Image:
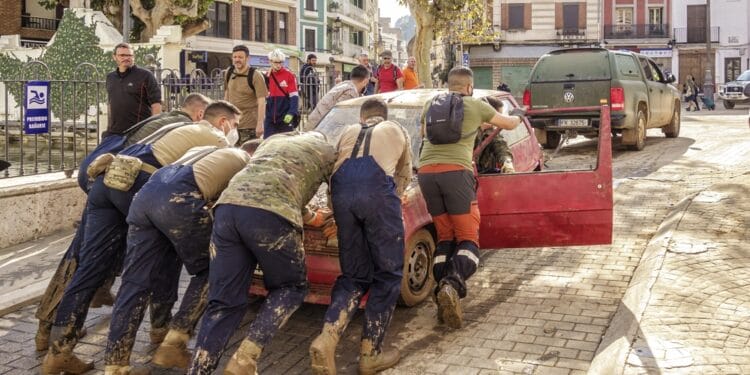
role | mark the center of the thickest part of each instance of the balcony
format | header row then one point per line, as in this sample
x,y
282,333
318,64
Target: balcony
x,y
683,35
638,31
39,23
345,8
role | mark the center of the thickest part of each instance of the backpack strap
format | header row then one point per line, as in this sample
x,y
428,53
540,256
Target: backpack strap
x,y
200,155
365,134
228,76
250,76
162,132
278,85
144,122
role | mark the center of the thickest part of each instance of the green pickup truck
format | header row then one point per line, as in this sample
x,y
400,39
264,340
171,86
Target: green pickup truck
x,y
640,95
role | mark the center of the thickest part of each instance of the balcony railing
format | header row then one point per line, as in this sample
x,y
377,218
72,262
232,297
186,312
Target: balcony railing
x,y
39,23
638,31
695,34
346,8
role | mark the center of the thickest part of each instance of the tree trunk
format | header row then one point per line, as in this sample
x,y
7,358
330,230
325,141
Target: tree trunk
x,y
163,13
423,40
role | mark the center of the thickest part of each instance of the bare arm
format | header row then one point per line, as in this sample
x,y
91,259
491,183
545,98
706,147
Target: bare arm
x,y
502,121
261,116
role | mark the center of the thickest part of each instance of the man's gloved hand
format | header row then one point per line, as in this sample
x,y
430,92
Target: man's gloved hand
x,y
518,111
330,229
319,217
507,167
288,118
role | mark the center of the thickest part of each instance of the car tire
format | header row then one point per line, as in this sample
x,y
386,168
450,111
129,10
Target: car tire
x,y
553,140
417,282
673,129
636,137
728,104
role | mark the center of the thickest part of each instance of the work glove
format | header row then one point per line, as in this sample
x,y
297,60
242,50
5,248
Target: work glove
x,y
319,217
330,229
507,167
518,111
288,118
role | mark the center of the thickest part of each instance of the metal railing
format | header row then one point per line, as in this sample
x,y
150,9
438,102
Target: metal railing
x,y
75,117
39,23
637,31
695,35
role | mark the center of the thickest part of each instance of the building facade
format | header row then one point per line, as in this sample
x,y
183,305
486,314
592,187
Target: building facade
x,y
640,26
30,20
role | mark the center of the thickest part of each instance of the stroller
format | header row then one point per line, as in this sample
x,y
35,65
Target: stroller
x,y
708,102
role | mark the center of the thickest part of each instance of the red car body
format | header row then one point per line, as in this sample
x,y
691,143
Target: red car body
x,y
529,208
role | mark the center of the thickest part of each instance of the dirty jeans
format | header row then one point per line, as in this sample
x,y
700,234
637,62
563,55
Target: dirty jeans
x,y
371,246
168,223
242,238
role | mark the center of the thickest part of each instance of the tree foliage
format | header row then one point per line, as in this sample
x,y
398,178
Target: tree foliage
x,y
455,21
150,15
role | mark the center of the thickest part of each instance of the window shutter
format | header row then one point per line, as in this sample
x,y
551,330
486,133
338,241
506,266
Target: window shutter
x,y
558,16
504,16
582,15
527,16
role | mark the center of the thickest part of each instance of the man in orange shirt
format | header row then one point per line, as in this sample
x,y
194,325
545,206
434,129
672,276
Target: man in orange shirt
x,y
411,81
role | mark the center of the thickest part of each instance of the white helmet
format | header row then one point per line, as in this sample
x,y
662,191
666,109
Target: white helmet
x,y
276,55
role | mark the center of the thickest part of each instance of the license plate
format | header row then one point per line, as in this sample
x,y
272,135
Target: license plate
x,y
573,122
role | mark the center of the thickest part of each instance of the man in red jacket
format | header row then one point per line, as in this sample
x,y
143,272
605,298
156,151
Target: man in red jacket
x,y
282,105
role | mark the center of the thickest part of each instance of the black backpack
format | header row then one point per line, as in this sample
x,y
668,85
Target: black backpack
x,y
444,118
250,74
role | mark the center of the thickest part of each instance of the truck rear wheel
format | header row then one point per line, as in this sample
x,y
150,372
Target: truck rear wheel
x,y
636,138
673,129
728,104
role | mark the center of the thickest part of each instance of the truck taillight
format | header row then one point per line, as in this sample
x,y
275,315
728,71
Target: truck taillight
x,y
617,98
527,98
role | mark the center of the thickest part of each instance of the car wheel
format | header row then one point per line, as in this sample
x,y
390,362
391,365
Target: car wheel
x,y
553,140
417,282
673,129
636,137
728,104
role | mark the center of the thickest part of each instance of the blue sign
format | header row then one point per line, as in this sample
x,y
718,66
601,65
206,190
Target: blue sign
x,y
36,108
466,59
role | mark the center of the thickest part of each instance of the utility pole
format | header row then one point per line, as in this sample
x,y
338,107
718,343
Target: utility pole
x,y
708,79
126,21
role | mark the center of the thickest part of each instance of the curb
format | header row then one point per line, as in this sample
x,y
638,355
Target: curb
x,y
614,347
28,295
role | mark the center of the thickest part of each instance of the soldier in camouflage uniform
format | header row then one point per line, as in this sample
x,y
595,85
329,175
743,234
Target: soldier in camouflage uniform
x,y
258,221
192,110
496,157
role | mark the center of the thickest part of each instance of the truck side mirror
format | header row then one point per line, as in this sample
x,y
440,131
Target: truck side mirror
x,y
670,78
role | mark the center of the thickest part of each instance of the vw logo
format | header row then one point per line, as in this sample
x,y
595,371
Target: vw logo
x,y
568,97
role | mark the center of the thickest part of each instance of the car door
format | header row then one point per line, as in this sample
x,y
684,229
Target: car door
x,y
655,92
667,100
556,208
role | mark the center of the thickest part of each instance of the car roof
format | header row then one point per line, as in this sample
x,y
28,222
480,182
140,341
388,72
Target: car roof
x,y
412,97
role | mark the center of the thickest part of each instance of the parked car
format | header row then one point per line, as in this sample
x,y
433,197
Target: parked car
x,y
521,209
736,92
640,95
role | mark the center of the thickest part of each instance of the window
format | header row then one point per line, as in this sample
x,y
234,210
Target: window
x,y
656,72
627,65
310,4
570,17
624,16
358,3
515,16
656,21
246,23
310,38
218,15
731,68
258,25
211,16
271,29
358,38
282,28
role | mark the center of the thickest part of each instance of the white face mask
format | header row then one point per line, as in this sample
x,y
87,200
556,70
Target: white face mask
x,y
233,136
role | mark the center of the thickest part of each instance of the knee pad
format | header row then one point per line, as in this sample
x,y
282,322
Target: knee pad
x,y
466,259
443,252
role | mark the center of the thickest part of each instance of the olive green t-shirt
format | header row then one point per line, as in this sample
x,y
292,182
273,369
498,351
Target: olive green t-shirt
x,y
283,175
476,112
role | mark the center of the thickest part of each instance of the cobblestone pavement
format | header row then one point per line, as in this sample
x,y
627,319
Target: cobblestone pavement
x,y
545,310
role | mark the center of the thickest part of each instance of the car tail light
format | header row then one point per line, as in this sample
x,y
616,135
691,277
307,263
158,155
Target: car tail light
x,y
527,98
617,98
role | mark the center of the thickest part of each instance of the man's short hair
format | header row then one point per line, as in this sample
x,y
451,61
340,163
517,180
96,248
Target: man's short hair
x,y
220,108
121,45
241,47
251,145
196,99
459,77
359,73
373,107
311,56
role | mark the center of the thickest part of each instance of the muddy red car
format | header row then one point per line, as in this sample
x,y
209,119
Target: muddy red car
x,y
522,209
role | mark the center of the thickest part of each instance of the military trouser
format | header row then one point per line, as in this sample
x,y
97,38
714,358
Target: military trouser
x,y
451,200
168,224
242,238
371,247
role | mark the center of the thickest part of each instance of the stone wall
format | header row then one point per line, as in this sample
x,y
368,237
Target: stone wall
x,y
38,209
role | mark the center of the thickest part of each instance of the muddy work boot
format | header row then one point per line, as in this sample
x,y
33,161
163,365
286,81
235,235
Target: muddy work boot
x,y
63,360
126,370
449,306
173,351
323,351
372,361
245,360
157,335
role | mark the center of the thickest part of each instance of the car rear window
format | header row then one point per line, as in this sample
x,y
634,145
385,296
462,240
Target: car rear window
x,y
572,66
627,65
